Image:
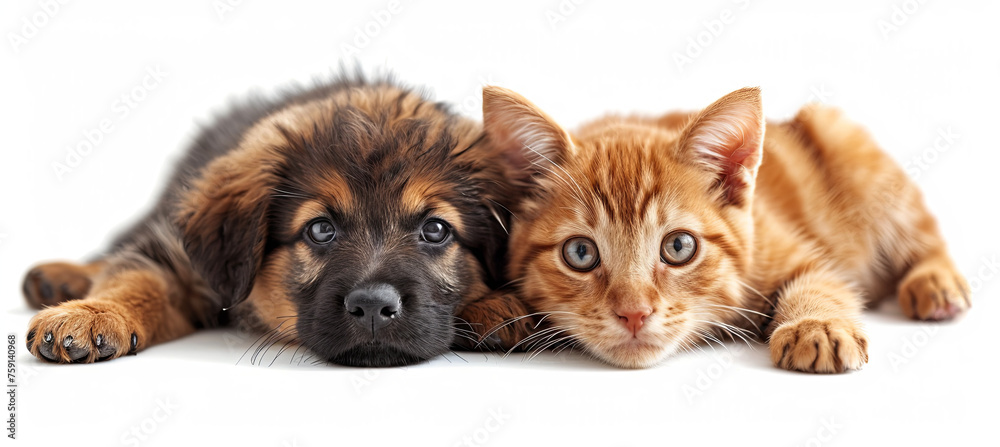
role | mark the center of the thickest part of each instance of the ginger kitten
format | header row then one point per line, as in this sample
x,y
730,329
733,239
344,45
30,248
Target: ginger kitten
x,y
643,237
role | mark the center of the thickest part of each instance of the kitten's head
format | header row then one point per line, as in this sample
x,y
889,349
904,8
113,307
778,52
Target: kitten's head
x,y
638,231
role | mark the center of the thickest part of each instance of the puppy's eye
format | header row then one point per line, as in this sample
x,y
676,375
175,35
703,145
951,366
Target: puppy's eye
x,y
581,254
678,248
435,231
321,232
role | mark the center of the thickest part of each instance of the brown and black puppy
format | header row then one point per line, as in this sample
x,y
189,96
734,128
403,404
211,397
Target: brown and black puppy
x,y
356,217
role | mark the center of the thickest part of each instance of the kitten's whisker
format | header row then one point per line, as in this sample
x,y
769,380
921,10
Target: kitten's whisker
x,y
561,330
458,328
547,346
696,344
726,326
752,323
462,320
761,295
706,336
571,344
519,318
732,331
534,337
549,334
740,311
683,344
543,347
471,339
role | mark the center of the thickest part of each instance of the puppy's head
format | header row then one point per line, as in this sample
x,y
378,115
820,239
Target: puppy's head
x,y
363,219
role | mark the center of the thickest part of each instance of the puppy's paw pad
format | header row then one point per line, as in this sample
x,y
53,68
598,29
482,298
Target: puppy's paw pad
x,y
53,283
81,332
934,294
819,346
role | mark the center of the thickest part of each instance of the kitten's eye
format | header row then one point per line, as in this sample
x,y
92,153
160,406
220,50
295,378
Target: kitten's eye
x,y
581,254
321,232
678,248
435,231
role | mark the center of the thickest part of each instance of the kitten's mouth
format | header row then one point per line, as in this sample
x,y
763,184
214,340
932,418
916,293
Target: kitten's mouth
x,y
635,352
641,350
637,344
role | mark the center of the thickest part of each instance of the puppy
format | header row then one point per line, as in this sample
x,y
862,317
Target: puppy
x,y
356,217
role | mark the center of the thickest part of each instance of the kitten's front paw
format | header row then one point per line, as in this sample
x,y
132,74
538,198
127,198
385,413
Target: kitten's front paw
x,y
934,292
819,346
495,322
81,332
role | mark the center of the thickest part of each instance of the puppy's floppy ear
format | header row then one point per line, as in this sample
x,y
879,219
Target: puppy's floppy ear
x,y
223,219
726,140
530,140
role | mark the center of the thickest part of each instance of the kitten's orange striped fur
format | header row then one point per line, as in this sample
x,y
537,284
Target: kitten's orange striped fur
x,y
796,226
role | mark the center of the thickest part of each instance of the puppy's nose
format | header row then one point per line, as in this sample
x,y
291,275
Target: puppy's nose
x,y
632,317
373,306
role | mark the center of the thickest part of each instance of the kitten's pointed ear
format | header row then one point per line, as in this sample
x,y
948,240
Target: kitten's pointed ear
x,y
528,138
726,139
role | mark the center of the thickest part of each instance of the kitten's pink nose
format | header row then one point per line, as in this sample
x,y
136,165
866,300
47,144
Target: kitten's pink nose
x,y
632,317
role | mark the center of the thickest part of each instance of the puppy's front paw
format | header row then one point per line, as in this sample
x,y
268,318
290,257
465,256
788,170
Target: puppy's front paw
x,y
820,346
934,292
82,332
55,282
495,322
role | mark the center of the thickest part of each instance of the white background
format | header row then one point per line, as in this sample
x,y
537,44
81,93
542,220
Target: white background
x,y
936,71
